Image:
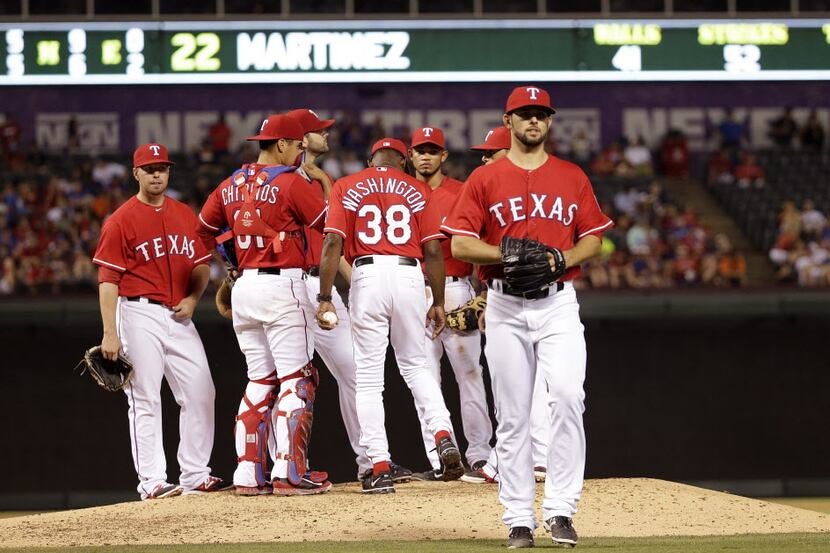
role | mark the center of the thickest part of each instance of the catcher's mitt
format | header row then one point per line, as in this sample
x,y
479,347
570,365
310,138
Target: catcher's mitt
x,y
223,298
526,265
110,375
465,317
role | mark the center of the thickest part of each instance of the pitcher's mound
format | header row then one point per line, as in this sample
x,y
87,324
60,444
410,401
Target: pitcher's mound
x,y
418,511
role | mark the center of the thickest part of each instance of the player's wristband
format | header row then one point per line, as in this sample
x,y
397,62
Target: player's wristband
x,y
323,297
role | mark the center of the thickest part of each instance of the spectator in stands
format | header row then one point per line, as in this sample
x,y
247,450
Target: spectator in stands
x,y
674,155
784,129
9,138
812,265
789,220
732,133
333,165
108,173
812,135
641,237
719,169
749,172
813,221
8,276
685,267
638,157
725,266
581,150
607,160
627,200
219,136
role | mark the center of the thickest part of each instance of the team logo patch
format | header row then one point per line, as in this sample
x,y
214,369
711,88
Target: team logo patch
x,y
247,221
239,180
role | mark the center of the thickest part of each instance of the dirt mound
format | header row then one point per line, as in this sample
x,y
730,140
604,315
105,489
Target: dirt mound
x,y
418,511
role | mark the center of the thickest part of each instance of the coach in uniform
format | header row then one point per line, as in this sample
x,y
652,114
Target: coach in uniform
x,y
152,270
267,204
529,193
383,217
428,152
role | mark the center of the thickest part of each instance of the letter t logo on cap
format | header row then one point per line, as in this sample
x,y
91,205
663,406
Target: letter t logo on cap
x,y
427,131
533,92
155,149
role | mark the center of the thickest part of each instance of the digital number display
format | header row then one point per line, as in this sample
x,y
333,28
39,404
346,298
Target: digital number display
x,y
418,51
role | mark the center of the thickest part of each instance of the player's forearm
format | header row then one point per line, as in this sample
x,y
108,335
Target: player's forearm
x,y
329,261
108,300
585,249
473,250
345,269
434,259
326,183
199,278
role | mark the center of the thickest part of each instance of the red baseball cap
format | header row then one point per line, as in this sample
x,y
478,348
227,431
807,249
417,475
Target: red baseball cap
x,y
390,143
148,154
310,121
496,139
428,135
524,96
279,126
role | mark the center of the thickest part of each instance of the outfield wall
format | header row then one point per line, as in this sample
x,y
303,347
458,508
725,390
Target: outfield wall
x,y
685,386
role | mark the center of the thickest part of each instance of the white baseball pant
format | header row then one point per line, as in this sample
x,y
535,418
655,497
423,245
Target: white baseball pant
x,y
159,347
387,301
271,314
336,350
464,352
523,337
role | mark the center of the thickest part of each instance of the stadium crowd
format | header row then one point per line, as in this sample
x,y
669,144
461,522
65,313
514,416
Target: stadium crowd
x,y
52,207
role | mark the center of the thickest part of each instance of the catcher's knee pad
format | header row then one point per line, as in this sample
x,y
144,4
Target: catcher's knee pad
x,y
256,422
299,421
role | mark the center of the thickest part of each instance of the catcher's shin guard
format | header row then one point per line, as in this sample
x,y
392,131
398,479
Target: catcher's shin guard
x,y
299,422
256,422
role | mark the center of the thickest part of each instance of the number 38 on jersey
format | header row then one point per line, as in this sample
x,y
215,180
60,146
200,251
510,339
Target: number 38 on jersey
x,y
393,223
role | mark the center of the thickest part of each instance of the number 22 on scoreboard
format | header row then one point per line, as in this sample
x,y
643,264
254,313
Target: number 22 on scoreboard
x,y
195,52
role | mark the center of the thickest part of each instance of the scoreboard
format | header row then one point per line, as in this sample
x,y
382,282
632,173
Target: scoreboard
x,y
204,52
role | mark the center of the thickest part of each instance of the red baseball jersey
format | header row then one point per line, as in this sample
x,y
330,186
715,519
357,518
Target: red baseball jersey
x,y
150,251
315,238
443,199
286,204
554,204
383,211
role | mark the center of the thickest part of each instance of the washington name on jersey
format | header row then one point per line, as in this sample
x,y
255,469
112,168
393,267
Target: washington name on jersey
x,y
354,194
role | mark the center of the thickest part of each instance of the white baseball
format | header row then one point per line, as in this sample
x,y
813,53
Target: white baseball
x,y
330,317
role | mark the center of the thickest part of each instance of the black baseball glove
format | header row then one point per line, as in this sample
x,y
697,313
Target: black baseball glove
x,y
526,265
465,317
110,375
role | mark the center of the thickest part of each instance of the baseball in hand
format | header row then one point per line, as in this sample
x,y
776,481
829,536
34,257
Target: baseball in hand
x,y
330,317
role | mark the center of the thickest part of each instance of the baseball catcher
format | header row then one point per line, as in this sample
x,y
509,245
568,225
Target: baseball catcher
x,y
110,375
465,317
527,266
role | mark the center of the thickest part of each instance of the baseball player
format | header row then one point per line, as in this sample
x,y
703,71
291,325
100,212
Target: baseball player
x,y
383,217
428,152
496,145
152,270
266,204
335,346
530,194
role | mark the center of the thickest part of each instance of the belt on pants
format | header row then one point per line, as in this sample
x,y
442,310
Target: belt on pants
x,y
285,271
368,260
501,286
446,279
142,299
314,271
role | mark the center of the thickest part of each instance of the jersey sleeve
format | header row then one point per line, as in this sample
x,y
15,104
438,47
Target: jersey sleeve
x,y
589,218
305,199
336,220
211,220
112,251
466,217
431,220
201,253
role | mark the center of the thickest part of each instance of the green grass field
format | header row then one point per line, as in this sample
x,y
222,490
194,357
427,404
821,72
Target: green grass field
x,y
791,543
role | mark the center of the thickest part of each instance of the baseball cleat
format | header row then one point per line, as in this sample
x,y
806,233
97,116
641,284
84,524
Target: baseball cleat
x,y
520,537
210,484
481,473
281,486
163,490
562,531
377,483
400,474
431,475
451,466
540,473
253,490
